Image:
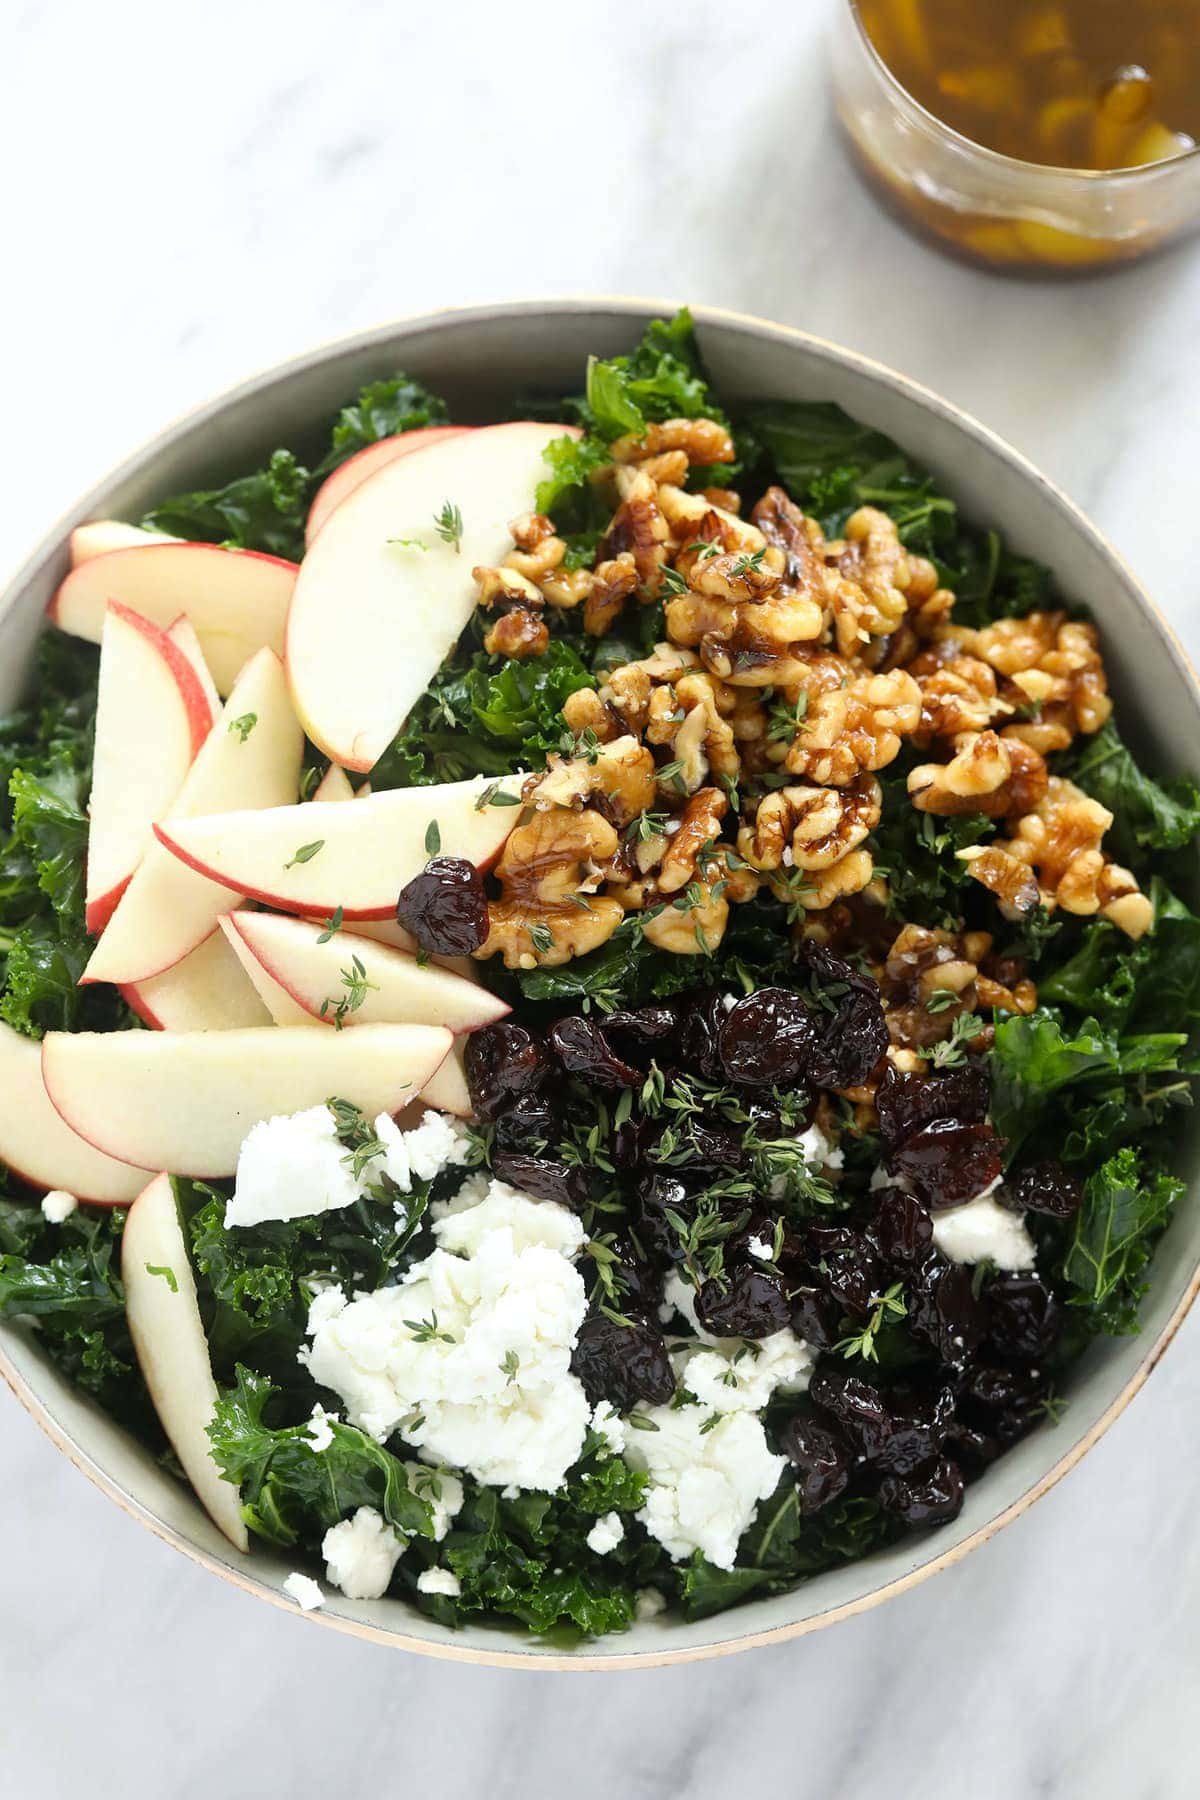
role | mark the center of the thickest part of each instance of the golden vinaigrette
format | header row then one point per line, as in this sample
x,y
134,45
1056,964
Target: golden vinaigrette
x,y
1086,84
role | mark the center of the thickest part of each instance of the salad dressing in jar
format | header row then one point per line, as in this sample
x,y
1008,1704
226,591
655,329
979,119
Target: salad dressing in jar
x,y
1037,134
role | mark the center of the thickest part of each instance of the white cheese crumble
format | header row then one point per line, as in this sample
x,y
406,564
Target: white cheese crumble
x,y
605,1534
470,1355
706,1479
58,1205
648,1605
740,1375
442,1491
295,1167
320,1429
759,1247
610,1425
361,1554
439,1581
304,1591
984,1231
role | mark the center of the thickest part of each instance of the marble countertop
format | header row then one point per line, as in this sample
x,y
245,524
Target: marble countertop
x,y
192,193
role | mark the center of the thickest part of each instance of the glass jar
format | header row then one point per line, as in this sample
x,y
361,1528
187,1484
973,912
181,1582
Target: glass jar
x,y
991,208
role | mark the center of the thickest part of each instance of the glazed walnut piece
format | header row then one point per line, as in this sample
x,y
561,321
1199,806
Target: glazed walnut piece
x,y
959,693
930,977
618,778
987,774
810,828
856,729
1051,666
1060,844
518,629
542,917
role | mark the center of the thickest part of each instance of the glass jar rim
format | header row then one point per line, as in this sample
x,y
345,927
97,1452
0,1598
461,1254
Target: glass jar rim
x,y
1128,173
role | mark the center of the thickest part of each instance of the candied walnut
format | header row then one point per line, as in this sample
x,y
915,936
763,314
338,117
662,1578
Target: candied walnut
x,y
565,588
722,497
872,574
538,919
856,729
517,634
500,589
694,520
691,925
1061,842
698,826
1053,665
799,540
734,575
584,710
958,694
822,888
702,441
930,977
987,774
612,582
638,528
690,716
619,777
538,548
1011,880
810,828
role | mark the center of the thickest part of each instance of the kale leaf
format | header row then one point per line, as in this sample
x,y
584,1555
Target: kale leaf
x,y
383,409
1124,984
1125,1211
1146,815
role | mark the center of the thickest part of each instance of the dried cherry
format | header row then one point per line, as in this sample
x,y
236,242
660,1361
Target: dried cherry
x,y
1025,1317
1043,1187
944,1310
445,907
816,1318
901,1227
908,1101
623,1364
531,1119
647,1028
933,1499
657,1196
949,1163
854,1037
542,1176
583,1050
849,1270
765,1039
747,1302
502,1063
821,1458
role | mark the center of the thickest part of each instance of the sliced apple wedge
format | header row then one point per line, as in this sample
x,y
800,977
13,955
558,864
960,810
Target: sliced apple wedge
x,y
333,785
250,758
387,931
315,858
39,1148
99,536
394,987
182,634
168,1336
356,469
184,1100
447,1088
280,1005
236,599
207,991
152,716
372,616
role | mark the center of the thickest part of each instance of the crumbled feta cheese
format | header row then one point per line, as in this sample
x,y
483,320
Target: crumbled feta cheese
x,y
58,1205
984,1231
304,1591
759,1247
361,1554
326,1304
738,1375
706,1479
439,1581
610,1425
469,1357
605,1534
291,1167
679,1296
320,1428
648,1605
473,1190
442,1491
439,1141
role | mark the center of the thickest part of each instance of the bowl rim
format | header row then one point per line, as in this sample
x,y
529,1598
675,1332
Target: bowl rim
x,y
520,1654
1126,175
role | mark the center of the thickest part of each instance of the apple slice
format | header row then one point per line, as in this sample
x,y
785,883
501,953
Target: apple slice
x,y
236,599
39,1148
152,715
372,618
207,991
447,1088
182,634
164,1321
250,758
397,988
333,785
314,858
99,536
354,471
185,1100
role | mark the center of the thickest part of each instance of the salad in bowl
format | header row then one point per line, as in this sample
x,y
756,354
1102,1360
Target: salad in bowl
x,y
592,1005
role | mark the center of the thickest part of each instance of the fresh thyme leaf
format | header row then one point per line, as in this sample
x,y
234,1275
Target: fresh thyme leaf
x,y
448,524
243,725
167,1275
305,853
336,920
433,839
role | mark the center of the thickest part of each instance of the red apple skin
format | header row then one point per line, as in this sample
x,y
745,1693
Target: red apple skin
x,y
132,996
355,470
66,590
198,710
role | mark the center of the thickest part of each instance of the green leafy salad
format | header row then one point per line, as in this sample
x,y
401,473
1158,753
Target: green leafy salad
x,y
621,1072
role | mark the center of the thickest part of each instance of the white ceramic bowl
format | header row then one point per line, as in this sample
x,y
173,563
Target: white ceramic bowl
x,y
481,359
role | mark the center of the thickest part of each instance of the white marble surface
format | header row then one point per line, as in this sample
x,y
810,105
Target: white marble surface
x,y
192,192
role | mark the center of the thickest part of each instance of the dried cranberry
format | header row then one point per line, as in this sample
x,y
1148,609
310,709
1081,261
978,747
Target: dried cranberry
x,y
944,1310
543,1177
854,1036
1025,1317
821,1459
531,1119
503,1062
445,907
747,1302
623,1364
1043,1187
906,1102
949,1163
934,1499
901,1227
816,1318
765,1039
583,1050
